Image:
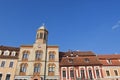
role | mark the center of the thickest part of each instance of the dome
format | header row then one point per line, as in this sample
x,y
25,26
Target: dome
x,y
42,27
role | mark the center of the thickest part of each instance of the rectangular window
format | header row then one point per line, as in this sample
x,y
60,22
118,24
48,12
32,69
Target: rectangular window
x,y
72,73
116,73
7,77
2,63
82,74
0,76
11,64
108,73
97,74
64,73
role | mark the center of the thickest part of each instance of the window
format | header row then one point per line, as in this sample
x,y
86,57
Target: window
x,y
108,73
2,63
7,77
86,60
51,69
97,73
72,73
45,36
37,68
11,64
6,53
90,74
41,35
70,60
0,76
82,74
23,68
116,73
109,61
38,55
51,56
25,55
64,73
13,53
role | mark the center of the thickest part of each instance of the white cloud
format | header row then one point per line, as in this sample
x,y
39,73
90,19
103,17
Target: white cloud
x,y
116,25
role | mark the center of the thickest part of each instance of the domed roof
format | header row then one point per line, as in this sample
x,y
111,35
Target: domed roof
x,y
42,27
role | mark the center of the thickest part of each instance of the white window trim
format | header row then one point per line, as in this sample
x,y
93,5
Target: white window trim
x,y
91,70
95,68
62,69
84,71
6,53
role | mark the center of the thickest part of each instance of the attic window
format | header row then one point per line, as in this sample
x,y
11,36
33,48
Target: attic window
x,y
13,53
86,60
109,61
70,60
71,54
6,53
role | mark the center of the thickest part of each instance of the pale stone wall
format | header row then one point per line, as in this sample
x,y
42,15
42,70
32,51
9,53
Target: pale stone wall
x,y
7,70
112,74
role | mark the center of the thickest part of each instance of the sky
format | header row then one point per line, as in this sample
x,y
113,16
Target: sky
x,y
84,25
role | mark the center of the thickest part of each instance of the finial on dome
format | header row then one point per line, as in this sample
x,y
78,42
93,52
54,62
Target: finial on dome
x,y
43,24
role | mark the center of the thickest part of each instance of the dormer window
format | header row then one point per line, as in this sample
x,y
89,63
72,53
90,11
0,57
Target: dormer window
x,y
109,61
71,54
0,52
6,53
86,60
70,60
13,53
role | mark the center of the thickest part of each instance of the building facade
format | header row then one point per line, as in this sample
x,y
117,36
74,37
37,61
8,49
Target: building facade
x,y
8,62
110,66
78,65
38,61
41,61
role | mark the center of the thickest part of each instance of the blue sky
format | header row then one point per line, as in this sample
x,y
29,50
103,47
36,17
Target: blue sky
x,y
85,25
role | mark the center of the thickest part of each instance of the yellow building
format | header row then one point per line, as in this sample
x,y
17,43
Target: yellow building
x,y
8,62
38,61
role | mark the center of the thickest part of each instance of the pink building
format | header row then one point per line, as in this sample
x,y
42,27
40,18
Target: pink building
x,y
79,65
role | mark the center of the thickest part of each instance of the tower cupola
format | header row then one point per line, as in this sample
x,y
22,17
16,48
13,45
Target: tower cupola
x,y
42,35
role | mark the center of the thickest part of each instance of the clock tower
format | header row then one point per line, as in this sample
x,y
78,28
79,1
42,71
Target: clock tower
x,y
41,35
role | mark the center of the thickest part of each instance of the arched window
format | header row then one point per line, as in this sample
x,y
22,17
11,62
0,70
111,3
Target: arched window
x,y
97,73
23,67
37,68
51,56
51,69
25,55
90,73
82,73
38,55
